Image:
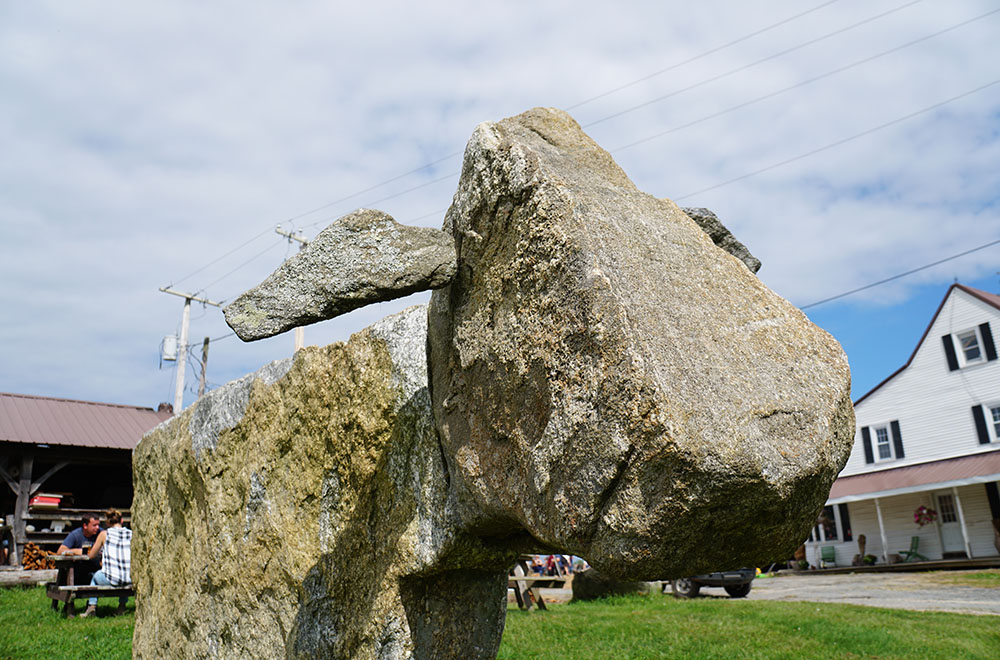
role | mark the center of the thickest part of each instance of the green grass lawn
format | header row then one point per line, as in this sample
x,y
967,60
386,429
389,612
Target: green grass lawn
x,y
987,579
661,627
30,629
632,628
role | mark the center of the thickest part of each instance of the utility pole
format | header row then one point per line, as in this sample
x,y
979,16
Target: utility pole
x,y
182,356
204,366
300,333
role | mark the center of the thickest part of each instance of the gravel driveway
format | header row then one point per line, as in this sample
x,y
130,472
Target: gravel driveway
x,y
909,591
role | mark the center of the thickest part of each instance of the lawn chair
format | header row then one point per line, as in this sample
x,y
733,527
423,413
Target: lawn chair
x,y
909,555
828,556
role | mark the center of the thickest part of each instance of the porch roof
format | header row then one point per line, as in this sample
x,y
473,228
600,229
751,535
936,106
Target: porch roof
x,y
961,471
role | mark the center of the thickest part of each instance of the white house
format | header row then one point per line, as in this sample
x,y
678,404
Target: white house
x,y
928,435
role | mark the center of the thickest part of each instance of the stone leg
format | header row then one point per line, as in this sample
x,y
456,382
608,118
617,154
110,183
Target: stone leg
x,y
456,615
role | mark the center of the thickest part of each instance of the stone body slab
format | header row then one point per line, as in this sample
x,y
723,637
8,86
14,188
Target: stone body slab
x,y
608,380
302,512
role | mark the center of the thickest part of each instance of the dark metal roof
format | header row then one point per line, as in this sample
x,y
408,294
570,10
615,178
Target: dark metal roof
x,y
50,421
923,474
987,298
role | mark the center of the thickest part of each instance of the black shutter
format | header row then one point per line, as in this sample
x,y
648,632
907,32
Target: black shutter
x,y
991,350
897,439
866,440
994,499
949,351
845,523
981,430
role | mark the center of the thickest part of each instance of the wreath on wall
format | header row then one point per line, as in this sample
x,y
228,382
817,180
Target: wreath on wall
x,y
924,516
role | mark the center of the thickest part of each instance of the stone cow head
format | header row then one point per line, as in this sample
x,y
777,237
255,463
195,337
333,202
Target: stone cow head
x,y
601,380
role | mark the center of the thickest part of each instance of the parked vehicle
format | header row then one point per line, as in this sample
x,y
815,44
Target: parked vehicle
x,y
736,583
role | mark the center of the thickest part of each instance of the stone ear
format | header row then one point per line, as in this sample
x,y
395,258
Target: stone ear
x,y
363,258
722,237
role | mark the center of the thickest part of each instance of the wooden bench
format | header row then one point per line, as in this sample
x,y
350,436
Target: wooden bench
x,y
526,586
68,593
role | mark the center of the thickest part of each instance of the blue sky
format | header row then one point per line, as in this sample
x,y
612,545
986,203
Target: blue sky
x,y
144,146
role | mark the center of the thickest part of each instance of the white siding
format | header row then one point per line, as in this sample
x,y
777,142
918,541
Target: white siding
x,y
932,404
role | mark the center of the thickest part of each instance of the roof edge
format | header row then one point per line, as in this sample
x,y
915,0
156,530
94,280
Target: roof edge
x,y
89,403
988,298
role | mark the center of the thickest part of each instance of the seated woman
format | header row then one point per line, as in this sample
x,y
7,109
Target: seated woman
x,y
116,543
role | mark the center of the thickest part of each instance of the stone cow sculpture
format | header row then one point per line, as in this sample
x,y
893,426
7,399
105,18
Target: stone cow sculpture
x,y
593,376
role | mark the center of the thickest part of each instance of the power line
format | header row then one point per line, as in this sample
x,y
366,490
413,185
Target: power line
x,y
803,83
218,259
718,185
711,51
375,187
703,82
742,105
248,261
904,274
394,195
751,65
458,153
842,141
771,95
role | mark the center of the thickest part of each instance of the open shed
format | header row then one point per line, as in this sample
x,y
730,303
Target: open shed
x,y
62,459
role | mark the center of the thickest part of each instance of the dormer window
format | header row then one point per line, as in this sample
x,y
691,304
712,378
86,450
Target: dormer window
x,y
969,343
969,347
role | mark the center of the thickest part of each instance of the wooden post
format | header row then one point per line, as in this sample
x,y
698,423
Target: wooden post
x,y
21,506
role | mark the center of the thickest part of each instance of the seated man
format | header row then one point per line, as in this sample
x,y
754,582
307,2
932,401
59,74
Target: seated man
x,y
114,546
73,544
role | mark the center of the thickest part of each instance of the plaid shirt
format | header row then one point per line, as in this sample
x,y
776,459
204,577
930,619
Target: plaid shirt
x,y
117,555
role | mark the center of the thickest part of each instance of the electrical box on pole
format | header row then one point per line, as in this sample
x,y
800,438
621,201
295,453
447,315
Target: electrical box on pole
x,y
182,349
168,349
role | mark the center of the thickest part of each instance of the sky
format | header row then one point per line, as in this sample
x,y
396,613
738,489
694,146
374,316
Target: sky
x,y
159,145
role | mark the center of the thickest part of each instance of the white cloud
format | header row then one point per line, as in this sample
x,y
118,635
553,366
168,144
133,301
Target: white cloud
x,y
143,142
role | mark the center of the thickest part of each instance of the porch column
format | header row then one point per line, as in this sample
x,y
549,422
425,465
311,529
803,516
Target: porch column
x,y
961,521
881,532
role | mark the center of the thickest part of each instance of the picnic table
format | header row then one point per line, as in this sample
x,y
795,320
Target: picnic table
x,y
527,587
66,590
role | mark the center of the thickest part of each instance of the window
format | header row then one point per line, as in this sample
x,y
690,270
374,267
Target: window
x,y
946,507
882,441
834,524
987,418
888,442
969,347
828,524
968,343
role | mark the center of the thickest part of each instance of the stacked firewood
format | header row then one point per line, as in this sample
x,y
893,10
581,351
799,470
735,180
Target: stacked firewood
x,y
33,558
